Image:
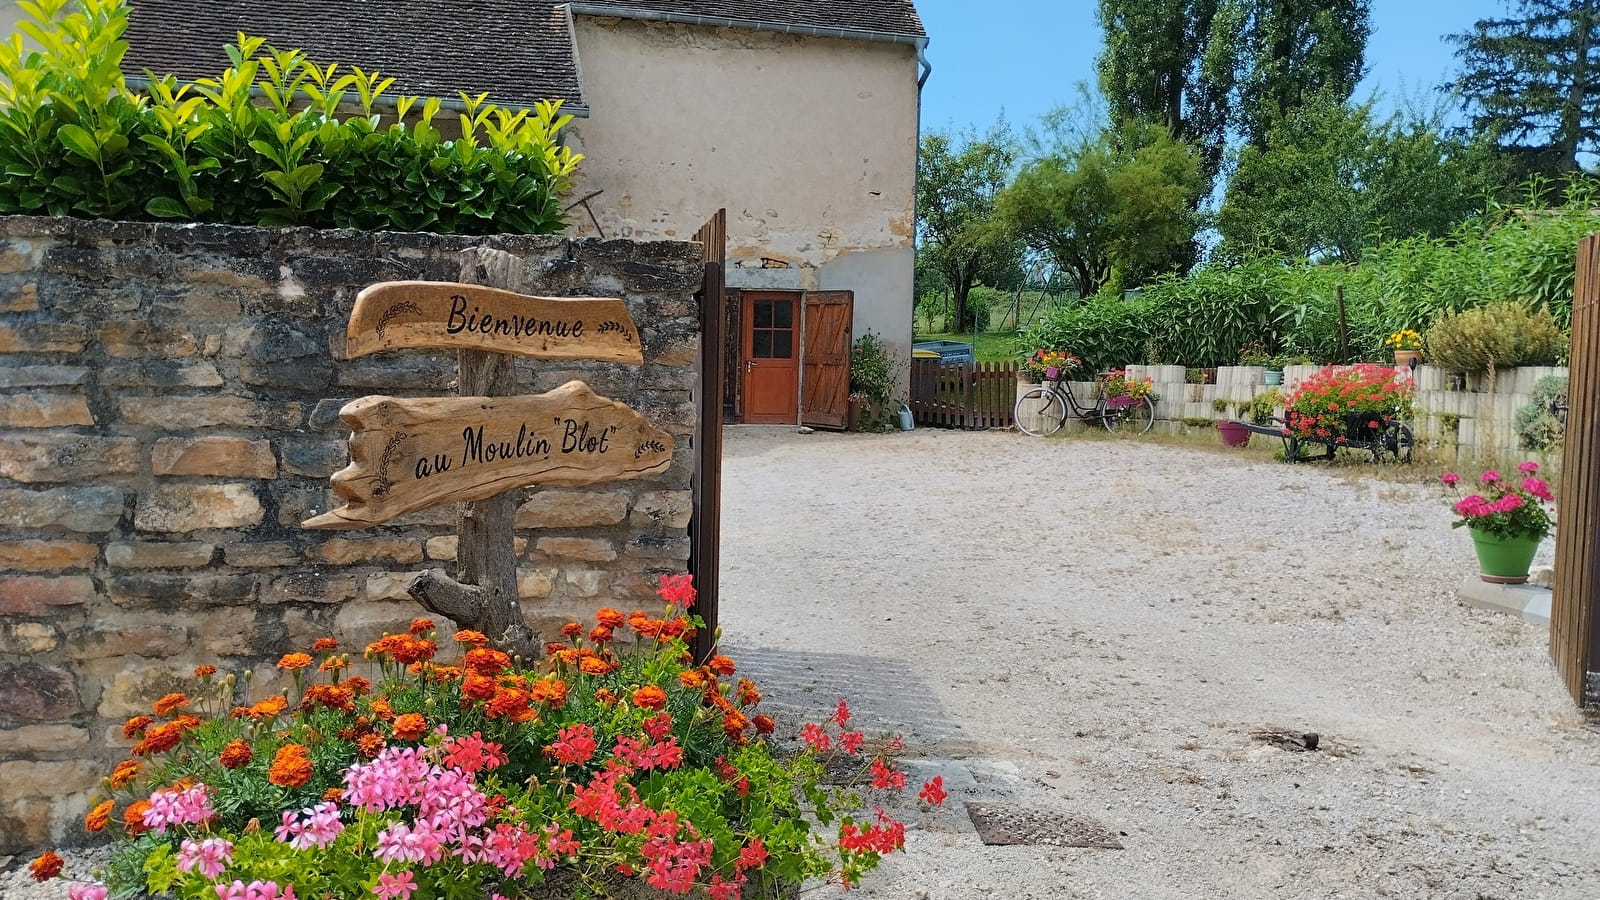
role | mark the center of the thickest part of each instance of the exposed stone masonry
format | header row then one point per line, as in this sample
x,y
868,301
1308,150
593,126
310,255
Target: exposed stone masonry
x,y
169,400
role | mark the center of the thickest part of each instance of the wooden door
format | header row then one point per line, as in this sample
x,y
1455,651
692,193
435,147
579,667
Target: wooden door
x,y
771,351
825,383
1575,601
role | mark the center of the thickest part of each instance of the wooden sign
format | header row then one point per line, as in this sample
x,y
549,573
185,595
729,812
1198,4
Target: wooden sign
x,y
445,314
410,454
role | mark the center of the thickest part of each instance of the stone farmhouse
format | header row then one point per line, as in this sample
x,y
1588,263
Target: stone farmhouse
x,y
799,117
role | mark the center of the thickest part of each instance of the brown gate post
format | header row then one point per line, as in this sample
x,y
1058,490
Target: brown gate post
x,y
1574,620
705,522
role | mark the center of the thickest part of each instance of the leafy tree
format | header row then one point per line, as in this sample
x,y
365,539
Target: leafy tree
x,y
1111,212
1332,180
959,178
1171,62
1532,79
1292,51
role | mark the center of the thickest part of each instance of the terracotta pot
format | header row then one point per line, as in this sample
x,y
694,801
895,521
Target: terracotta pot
x,y
852,414
1403,358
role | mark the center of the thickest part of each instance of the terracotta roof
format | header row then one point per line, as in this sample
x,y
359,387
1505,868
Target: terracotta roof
x,y
520,51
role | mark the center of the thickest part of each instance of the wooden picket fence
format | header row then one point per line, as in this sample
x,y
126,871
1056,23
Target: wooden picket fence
x,y
963,395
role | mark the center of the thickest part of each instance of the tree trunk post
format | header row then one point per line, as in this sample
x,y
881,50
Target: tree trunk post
x,y
483,597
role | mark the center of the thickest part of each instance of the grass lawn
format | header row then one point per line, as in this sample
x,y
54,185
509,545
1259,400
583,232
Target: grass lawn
x,y
992,346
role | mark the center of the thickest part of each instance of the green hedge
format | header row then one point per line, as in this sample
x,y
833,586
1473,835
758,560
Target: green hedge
x,y
262,143
1524,254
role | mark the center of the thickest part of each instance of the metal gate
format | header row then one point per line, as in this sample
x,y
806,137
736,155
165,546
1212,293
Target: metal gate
x,y
1574,625
705,523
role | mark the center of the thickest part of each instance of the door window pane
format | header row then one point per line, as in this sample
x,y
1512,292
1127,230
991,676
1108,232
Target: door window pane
x,y
761,342
782,345
763,314
783,314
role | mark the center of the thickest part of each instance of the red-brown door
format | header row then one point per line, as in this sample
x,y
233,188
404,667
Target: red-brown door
x,y
825,381
771,351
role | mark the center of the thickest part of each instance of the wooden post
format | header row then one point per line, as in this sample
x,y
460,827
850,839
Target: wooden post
x,y
1344,328
483,597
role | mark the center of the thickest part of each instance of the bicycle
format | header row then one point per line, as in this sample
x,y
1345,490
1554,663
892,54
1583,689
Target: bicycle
x,y
1044,410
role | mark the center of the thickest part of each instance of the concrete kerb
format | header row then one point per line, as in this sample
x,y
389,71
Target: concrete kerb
x,y
1528,602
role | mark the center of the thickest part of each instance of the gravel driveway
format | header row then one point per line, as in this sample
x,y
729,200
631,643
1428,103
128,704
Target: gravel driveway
x,y
1095,627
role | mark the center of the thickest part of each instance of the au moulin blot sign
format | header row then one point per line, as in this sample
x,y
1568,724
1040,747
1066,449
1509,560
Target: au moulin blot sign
x,y
409,454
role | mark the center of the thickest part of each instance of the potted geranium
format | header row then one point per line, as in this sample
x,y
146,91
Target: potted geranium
x,y
616,766
1120,390
1047,365
1507,518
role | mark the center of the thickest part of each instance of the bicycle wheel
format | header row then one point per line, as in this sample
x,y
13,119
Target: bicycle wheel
x,y
1039,412
1133,419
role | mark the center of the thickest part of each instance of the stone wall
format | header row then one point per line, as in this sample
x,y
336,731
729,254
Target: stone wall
x,y
169,401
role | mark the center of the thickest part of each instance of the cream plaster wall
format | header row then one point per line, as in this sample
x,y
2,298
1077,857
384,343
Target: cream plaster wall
x,y
810,144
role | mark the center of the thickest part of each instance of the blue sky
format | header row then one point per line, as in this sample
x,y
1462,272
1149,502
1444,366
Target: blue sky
x,y
1025,56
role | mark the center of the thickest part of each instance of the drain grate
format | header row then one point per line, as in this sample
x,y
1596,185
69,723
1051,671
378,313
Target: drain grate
x,y
1001,824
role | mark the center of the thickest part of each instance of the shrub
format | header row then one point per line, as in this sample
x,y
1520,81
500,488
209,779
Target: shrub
x,y
874,374
1538,426
1341,402
616,759
1477,341
261,143
1107,332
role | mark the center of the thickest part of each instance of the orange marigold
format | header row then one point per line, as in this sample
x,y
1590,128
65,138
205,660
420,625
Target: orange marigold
x,y
553,648
410,727
333,795
478,687
133,817
650,697
205,671
572,631
601,634
734,723
159,739
721,665
99,817
136,726
291,766
606,696
330,695
236,754
485,661
382,709
609,617
764,724
334,664
292,661
370,745
420,626
357,684
512,704
125,772
268,708
46,866
186,722
551,690
475,638
748,695
324,645
594,665
692,679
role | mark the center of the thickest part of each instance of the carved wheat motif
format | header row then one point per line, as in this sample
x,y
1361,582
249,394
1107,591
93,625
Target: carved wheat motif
x,y
384,481
618,327
394,312
649,447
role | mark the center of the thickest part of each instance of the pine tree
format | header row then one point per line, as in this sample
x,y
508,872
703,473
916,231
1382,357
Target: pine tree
x,y
1532,79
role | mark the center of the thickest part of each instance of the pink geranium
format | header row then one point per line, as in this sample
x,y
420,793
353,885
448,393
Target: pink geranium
x,y
1505,508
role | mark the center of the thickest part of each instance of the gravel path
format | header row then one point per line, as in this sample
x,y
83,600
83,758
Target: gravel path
x,y
1094,627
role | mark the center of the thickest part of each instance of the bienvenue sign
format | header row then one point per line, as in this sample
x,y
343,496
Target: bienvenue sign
x,y
441,314
410,454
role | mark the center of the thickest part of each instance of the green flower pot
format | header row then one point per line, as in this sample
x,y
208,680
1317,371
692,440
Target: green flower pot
x,y
1503,560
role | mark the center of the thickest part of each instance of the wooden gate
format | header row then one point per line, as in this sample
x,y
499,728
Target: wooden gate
x,y
963,395
705,522
1574,624
825,363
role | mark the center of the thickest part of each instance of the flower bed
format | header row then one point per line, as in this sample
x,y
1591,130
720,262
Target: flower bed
x,y
615,761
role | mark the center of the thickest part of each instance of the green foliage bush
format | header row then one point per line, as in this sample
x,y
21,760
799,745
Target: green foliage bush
x,y
1501,334
1538,426
262,143
1523,252
875,370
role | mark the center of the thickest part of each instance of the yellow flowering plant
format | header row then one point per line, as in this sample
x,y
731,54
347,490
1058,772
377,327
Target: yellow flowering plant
x,y
1404,340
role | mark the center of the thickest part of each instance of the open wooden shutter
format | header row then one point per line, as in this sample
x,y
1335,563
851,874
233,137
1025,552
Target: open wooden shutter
x,y
825,372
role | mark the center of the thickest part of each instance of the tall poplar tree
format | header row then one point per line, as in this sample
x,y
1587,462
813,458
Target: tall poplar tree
x,y
1532,79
